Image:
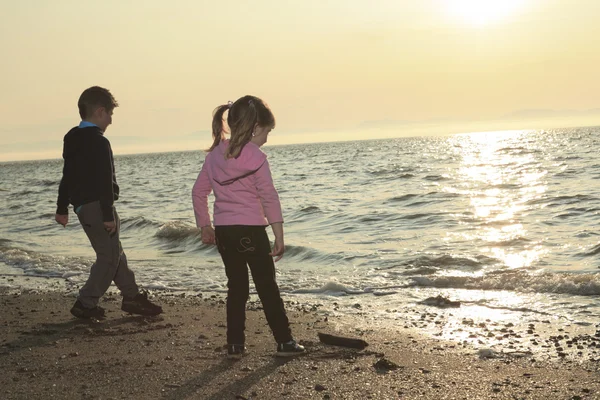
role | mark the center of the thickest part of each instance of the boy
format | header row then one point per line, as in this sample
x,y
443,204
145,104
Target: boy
x,y
90,185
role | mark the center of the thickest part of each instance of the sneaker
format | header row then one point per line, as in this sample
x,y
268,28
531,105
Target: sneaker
x,y
289,349
235,351
79,311
140,305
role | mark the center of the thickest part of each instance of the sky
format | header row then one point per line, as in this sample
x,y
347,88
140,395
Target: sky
x,y
329,69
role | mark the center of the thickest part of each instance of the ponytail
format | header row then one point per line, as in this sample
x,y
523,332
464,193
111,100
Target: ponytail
x,y
218,131
244,129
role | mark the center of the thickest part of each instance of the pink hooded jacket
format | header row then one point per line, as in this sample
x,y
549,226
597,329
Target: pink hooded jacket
x,y
243,188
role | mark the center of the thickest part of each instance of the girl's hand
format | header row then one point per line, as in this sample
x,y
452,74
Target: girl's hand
x,y
278,249
208,235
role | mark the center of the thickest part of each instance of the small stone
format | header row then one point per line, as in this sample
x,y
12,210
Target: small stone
x,y
385,365
320,388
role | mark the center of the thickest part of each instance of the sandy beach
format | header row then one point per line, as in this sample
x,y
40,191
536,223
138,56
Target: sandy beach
x,y
45,353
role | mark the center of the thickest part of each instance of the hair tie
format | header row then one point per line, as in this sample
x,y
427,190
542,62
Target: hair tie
x,y
229,104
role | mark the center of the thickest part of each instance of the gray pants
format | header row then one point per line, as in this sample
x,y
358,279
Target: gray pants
x,y
111,262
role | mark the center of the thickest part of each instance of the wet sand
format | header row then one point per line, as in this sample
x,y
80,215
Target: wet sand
x,y
46,353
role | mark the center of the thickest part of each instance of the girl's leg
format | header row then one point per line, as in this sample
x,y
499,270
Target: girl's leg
x,y
237,282
263,273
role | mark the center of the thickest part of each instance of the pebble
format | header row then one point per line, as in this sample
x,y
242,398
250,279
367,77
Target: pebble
x,y
385,365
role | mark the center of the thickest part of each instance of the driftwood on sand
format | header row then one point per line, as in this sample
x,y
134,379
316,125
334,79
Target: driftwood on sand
x,y
342,341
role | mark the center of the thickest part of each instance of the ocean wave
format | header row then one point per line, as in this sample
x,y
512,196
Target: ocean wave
x,y
310,209
177,230
302,253
592,252
575,199
138,222
420,203
585,234
447,260
38,264
330,288
518,281
517,150
516,241
397,171
428,216
44,182
22,193
436,178
399,199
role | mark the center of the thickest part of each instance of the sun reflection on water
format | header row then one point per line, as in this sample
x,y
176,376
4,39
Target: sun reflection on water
x,y
500,177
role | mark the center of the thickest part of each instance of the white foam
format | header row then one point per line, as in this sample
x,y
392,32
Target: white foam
x,y
585,284
331,288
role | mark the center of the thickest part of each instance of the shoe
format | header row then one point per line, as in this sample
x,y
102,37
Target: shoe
x,y
235,351
79,311
289,349
141,305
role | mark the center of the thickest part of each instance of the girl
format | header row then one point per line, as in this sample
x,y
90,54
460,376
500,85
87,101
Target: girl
x,y
246,201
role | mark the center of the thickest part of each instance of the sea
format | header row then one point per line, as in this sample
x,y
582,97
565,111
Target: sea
x,y
506,223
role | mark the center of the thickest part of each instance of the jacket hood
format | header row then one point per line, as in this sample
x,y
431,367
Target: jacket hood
x,y
227,171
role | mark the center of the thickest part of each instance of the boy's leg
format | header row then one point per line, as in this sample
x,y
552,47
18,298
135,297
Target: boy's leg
x,y
124,277
263,272
237,282
107,250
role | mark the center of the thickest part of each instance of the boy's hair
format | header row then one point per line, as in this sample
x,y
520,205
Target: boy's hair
x,y
93,98
243,116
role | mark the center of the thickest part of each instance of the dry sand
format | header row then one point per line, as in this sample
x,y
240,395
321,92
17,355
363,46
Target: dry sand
x,y
45,353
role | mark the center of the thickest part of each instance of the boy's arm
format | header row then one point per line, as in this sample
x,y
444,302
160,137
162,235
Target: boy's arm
x,y
62,203
104,176
200,192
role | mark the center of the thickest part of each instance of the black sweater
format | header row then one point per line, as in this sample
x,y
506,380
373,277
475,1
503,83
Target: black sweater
x,y
88,172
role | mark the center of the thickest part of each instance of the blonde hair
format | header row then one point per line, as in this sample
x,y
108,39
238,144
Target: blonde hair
x,y
244,114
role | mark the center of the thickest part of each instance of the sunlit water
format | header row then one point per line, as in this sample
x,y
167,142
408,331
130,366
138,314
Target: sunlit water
x,y
505,222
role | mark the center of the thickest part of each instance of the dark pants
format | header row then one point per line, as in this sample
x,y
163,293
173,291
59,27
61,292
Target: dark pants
x,y
240,247
111,262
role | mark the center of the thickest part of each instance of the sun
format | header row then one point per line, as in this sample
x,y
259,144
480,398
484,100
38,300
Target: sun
x,y
483,12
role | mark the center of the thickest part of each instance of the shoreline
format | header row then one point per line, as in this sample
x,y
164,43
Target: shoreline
x,y
46,353
465,326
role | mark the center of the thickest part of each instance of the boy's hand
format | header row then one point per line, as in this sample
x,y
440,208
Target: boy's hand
x,y
110,227
208,235
278,249
62,219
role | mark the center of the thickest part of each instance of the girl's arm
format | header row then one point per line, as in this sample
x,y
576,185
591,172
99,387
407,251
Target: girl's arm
x,y
269,199
200,192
